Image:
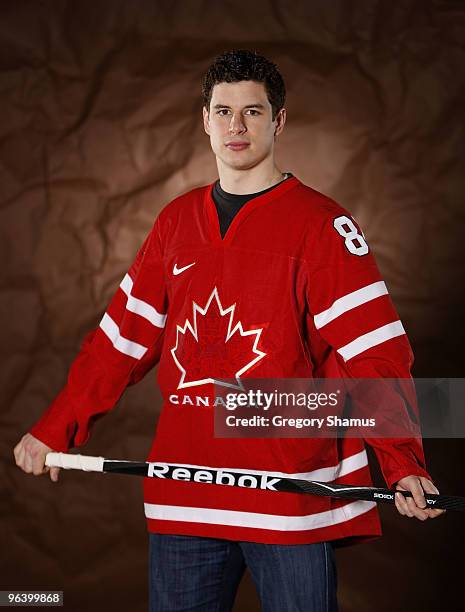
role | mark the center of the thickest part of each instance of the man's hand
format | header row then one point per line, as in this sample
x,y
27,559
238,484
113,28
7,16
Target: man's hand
x,y
30,456
416,505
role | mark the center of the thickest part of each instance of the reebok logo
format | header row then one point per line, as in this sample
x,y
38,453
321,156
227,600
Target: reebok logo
x,y
214,476
177,270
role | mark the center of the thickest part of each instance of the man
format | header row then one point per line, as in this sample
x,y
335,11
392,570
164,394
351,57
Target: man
x,y
254,275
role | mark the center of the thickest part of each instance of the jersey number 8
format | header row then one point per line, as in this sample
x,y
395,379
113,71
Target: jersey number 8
x,y
355,242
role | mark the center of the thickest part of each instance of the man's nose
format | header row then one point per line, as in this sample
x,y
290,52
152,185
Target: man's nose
x,y
237,125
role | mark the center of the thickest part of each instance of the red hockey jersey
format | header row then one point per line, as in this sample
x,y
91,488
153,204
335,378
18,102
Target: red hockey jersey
x,y
292,286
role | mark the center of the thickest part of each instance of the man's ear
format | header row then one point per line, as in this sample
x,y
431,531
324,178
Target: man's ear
x,y
280,121
206,120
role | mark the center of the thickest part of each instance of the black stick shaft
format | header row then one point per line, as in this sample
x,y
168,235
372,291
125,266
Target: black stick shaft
x,y
284,485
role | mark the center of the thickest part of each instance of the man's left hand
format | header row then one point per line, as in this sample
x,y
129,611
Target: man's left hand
x,y
416,506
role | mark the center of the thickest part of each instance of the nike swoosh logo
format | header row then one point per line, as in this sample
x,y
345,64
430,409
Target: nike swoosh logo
x,y
177,270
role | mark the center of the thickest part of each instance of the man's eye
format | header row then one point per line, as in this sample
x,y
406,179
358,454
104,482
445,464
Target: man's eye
x,y
224,111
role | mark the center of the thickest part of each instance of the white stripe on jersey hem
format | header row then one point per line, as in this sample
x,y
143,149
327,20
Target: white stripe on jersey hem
x,y
373,338
349,301
326,474
255,520
123,345
143,309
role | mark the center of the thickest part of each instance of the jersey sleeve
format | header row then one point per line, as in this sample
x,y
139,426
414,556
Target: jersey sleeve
x,y
350,308
125,345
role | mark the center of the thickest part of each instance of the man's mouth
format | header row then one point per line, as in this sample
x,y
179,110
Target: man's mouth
x,y
237,146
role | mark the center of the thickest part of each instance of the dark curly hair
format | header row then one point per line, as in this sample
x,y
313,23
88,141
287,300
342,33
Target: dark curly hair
x,y
244,65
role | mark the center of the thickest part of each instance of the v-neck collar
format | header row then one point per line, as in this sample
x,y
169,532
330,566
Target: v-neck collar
x,y
212,214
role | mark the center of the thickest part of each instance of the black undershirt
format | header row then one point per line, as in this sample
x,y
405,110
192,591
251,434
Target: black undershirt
x,y
229,204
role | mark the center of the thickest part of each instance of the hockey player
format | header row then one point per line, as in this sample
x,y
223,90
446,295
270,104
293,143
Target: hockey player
x,y
254,275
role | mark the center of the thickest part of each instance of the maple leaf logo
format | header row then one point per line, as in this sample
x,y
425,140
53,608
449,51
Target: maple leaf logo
x,y
212,347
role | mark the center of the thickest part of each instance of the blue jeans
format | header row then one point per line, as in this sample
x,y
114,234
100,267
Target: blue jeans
x,y
194,573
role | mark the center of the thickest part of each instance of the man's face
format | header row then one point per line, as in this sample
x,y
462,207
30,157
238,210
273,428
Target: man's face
x,y
239,124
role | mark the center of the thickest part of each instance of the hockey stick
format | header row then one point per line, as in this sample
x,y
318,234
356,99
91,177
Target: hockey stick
x,y
242,478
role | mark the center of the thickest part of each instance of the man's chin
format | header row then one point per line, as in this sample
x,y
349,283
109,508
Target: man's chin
x,y
240,164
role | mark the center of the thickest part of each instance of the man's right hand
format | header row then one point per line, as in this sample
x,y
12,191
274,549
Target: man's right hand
x,y
30,457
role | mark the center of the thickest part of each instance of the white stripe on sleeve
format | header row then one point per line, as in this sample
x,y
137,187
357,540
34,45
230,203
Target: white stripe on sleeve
x,y
349,301
143,309
373,338
128,347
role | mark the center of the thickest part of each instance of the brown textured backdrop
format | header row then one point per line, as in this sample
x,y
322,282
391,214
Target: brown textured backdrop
x,y
100,127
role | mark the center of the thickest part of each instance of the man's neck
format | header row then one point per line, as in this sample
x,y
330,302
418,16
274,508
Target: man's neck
x,y
249,181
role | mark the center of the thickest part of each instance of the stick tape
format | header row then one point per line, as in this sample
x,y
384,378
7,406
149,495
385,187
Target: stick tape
x,y
75,462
